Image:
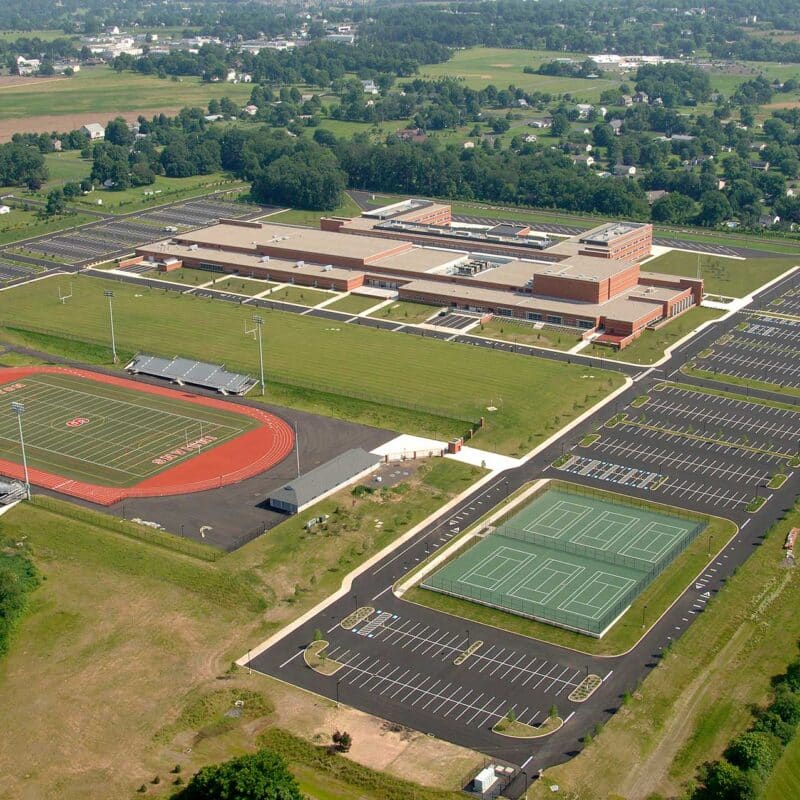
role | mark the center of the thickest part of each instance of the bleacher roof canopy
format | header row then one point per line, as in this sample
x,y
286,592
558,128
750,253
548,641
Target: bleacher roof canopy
x,y
196,373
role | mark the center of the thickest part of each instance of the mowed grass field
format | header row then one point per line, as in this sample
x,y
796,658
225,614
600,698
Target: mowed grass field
x,y
731,277
101,90
533,397
104,434
480,66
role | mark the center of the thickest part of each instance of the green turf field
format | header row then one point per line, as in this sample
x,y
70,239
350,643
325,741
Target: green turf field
x,y
348,364
568,559
104,434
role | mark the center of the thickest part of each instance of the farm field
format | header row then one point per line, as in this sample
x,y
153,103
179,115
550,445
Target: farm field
x,y
480,66
104,92
346,362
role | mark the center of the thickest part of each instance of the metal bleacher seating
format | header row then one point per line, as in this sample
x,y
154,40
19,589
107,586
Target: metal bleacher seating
x,y
197,373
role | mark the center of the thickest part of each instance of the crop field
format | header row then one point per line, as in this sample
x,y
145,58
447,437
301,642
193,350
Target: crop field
x,y
102,91
347,361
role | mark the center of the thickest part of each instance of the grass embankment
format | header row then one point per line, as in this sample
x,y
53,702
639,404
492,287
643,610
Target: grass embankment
x,y
731,277
144,628
701,694
784,782
301,295
522,333
735,380
21,224
346,371
651,344
643,612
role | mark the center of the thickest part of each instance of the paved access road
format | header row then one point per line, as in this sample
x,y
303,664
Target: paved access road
x,y
711,454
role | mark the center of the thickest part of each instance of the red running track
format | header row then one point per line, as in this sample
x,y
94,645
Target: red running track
x,y
236,460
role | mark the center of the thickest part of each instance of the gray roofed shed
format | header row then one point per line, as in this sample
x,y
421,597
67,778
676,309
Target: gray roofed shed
x,y
323,480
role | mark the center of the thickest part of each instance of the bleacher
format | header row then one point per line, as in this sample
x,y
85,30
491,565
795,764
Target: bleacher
x,y
11,491
196,373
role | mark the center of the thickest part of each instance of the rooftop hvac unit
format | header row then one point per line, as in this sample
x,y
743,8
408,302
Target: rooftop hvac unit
x,y
264,259
300,264
193,247
327,268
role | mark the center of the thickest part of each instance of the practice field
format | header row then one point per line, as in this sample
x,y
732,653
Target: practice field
x,y
567,559
103,438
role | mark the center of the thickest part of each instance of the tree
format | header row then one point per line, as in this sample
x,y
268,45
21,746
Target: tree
x,y
261,776
560,124
118,132
55,203
342,741
720,780
714,208
754,750
673,208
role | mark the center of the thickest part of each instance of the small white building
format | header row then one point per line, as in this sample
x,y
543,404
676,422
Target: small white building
x,y
28,66
94,130
5,209
369,87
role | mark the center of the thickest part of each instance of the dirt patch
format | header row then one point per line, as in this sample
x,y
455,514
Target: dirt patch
x,y
502,66
377,744
11,81
69,122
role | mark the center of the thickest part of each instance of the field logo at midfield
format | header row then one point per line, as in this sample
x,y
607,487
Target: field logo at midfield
x,y
77,422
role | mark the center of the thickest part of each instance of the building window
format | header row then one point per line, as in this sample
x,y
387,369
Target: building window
x,y
553,320
534,317
585,323
503,312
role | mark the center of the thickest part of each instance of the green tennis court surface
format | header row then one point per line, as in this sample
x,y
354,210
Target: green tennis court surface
x,y
107,434
569,559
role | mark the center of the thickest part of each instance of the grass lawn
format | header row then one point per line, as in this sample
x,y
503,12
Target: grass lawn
x,y
299,216
650,604
111,599
169,190
103,91
346,370
785,778
650,345
186,275
20,224
354,303
249,286
45,34
699,697
736,381
726,276
405,312
511,331
66,166
302,295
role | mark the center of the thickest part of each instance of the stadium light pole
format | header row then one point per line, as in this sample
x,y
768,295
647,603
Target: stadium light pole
x,y
110,295
259,321
19,410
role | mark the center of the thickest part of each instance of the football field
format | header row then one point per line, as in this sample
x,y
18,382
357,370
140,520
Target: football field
x,y
106,434
569,559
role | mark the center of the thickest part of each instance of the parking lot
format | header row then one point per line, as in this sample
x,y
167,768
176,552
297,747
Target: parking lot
x,y
395,665
761,348
104,240
693,449
9,271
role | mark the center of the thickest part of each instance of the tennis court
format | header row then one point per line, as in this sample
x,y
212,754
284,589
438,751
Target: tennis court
x,y
570,559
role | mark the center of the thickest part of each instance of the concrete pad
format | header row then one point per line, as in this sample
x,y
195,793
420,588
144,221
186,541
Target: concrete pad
x,y
485,458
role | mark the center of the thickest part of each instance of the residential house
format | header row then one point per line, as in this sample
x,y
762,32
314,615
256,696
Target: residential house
x,y
586,161
655,194
584,109
641,97
28,66
624,170
616,126
627,100
94,130
370,87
